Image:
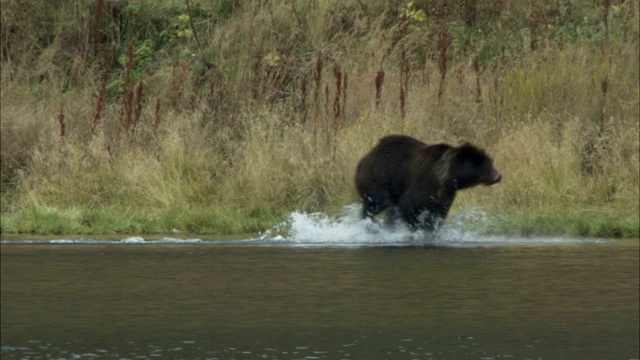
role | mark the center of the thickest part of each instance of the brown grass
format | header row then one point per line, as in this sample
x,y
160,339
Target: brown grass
x,y
265,128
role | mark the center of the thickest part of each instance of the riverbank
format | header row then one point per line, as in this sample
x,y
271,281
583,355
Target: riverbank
x,y
226,119
217,223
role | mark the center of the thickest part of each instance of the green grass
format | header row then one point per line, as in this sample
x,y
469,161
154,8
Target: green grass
x,y
224,221
103,221
594,224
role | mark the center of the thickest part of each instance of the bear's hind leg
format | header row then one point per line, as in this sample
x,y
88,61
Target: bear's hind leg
x,y
393,216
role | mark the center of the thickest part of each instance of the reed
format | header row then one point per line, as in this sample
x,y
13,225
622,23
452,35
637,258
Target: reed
x,y
443,45
379,81
62,123
103,92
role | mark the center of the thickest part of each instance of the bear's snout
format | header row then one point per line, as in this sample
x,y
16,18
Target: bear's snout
x,y
494,178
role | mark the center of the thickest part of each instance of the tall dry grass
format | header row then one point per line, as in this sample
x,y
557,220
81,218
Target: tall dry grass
x,y
273,111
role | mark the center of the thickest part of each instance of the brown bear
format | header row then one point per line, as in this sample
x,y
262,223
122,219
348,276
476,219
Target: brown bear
x,y
418,182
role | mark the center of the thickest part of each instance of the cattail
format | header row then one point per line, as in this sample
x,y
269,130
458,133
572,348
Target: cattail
x,y
127,118
604,86
184,68
607,10
138,100
156,116
318,77
96,26
337,75
403,98
318,80
103,92
404,87
345,84
443,45
303,100
476,69
326,99
534,23
62,123
379,81
326,111
127,114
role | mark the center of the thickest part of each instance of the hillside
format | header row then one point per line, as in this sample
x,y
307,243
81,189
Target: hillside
x,y
223,117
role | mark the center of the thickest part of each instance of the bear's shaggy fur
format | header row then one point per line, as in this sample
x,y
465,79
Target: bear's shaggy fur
x,y
418,182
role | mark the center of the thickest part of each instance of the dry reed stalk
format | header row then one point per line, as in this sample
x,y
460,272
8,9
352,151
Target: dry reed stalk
x,y
303,100
156,116
337,111
607,11
103,91
337,75
534,23
318,80
126,117
345,85
379,81
460,73
443,45
257,73
96,26
177,91
75,67
476,69
139,92
62,123
604,86
404,87
326,100
496,98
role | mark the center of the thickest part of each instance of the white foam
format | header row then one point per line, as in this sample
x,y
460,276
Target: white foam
x,y
133,240
349,229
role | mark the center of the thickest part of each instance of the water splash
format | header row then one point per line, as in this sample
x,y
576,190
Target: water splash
x,y
348,229
345,228
133,240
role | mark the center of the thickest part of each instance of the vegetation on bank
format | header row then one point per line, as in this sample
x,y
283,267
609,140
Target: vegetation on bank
x,y
223,117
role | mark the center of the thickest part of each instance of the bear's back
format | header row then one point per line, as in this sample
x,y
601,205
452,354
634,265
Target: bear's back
x,y
400,143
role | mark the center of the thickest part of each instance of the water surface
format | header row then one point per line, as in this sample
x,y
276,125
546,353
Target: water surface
x,y
320,297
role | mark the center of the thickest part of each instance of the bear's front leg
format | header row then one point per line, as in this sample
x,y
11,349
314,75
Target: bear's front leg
x,y
412,216
434,215
371,208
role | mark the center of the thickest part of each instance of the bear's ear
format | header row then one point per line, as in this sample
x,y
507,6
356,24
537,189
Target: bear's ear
x,y
468,152
467,145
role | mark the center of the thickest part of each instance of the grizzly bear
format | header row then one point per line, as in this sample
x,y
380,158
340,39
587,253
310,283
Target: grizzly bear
x,y
418,182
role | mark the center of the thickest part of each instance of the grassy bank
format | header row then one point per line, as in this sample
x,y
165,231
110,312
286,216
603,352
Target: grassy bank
x,y
149,116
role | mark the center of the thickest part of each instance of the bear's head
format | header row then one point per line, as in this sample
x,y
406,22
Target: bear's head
x,y
471,166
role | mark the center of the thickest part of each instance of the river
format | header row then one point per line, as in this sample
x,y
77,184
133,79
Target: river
x,y
274,298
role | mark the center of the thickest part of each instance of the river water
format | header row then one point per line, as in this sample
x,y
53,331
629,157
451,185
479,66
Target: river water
x,y
284,297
